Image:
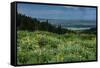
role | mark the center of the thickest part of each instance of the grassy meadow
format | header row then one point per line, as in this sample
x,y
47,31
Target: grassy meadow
x,y
46,47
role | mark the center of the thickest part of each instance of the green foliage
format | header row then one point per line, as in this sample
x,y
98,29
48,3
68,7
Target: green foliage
x,y
47,47
41,42
32,24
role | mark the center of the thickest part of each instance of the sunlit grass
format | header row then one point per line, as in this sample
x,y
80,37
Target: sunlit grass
x,y
45,47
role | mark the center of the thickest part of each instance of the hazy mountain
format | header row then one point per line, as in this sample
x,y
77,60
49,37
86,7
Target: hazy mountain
x,y
73,24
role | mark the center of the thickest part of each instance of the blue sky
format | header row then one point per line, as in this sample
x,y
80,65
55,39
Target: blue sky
x,y
57,12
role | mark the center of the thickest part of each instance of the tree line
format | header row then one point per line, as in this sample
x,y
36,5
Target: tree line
x,y
31,24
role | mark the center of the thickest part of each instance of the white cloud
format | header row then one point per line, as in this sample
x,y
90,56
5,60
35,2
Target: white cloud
x,y
71,7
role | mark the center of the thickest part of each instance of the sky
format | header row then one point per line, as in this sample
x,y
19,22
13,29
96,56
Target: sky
x,y
57,12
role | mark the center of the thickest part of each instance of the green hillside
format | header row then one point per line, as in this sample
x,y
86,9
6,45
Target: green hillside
x,y
47,47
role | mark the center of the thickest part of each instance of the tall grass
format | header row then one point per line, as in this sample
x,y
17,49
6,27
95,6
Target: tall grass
x,y
45,47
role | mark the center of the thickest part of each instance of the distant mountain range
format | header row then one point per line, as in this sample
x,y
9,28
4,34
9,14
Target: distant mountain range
x,y
71,24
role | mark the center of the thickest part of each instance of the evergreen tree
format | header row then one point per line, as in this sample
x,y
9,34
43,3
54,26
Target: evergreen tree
x,y
32,24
